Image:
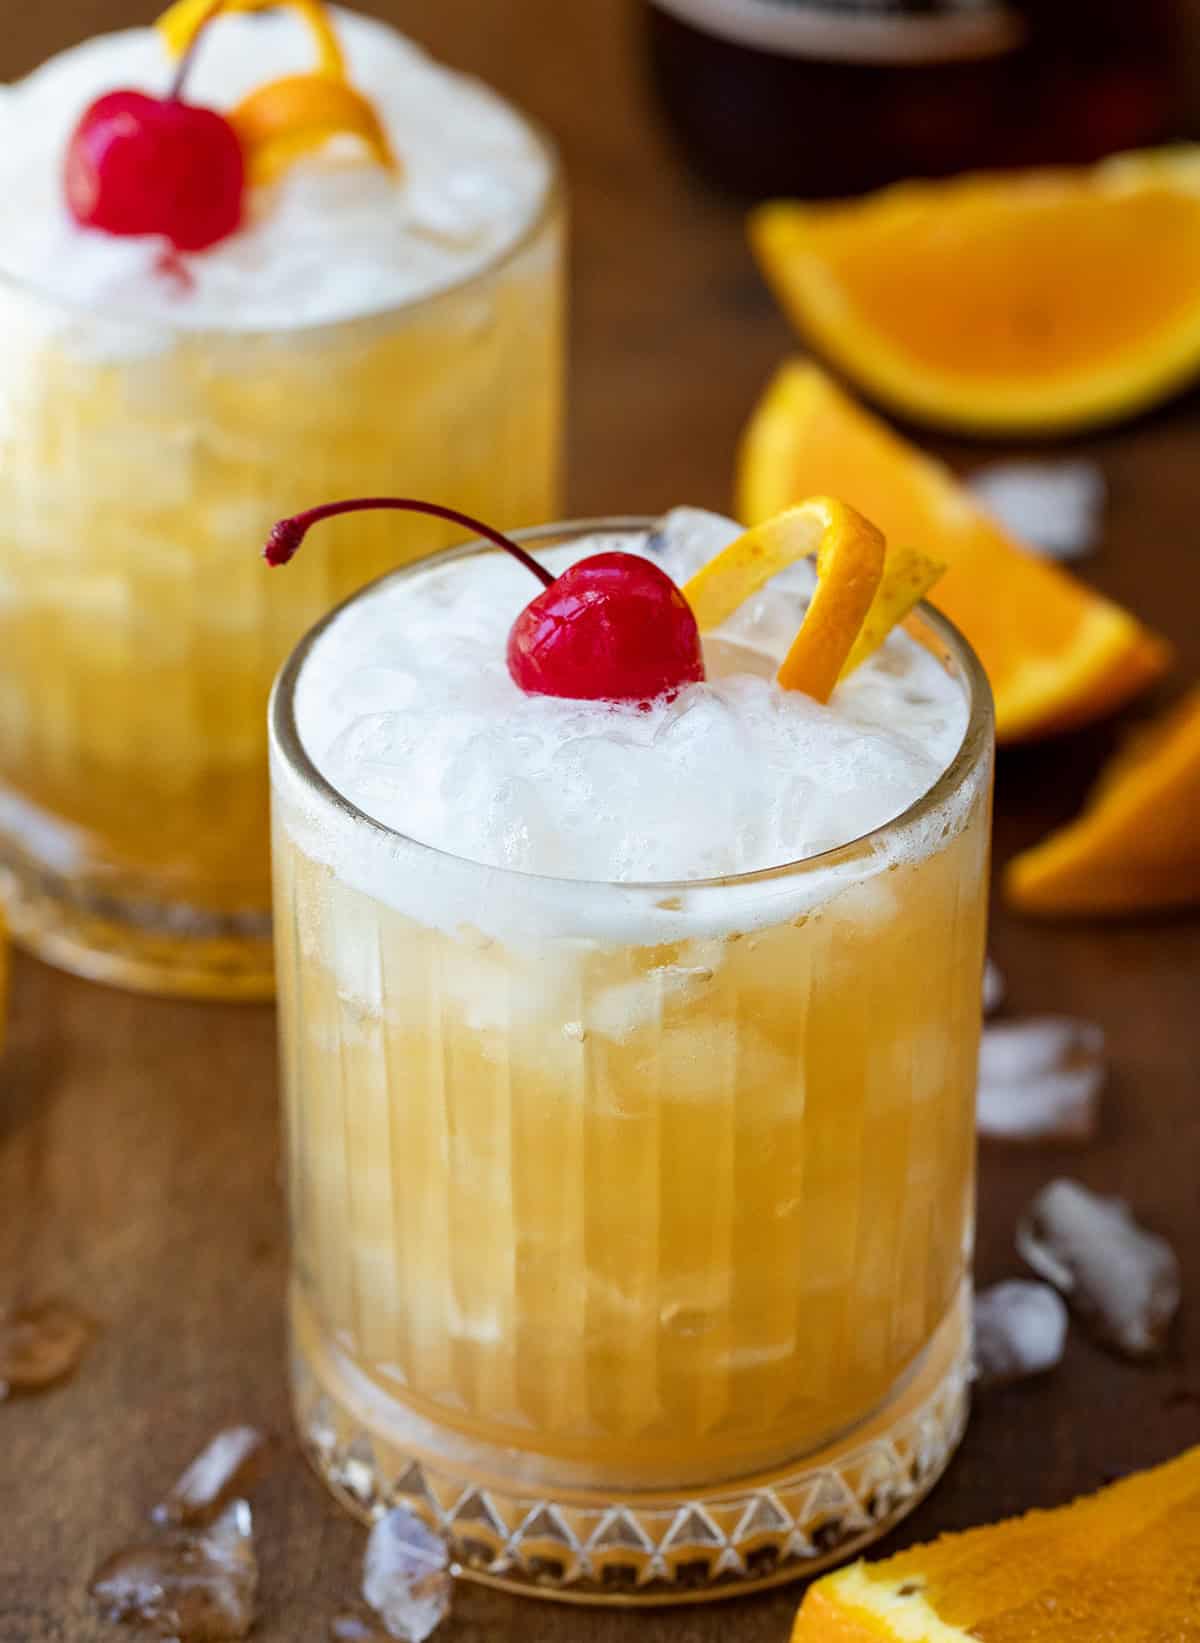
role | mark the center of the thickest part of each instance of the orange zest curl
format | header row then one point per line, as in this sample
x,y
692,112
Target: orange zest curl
x,y
863,589
280,122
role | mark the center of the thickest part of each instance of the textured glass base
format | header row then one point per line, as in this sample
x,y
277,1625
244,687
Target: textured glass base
x,y
584,1546
167,949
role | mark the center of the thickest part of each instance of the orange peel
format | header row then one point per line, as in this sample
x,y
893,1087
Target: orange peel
x,y
850,555
181,23
908,575
281,121
1136,847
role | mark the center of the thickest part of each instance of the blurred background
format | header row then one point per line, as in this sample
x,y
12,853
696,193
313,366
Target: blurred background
x,y
663,279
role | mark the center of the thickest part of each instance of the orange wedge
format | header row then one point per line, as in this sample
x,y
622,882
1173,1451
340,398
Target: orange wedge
x,y
280,122
1023,302
1057,654
1119,1566
1136,847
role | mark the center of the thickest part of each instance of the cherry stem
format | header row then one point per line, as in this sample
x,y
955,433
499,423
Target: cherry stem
x,y
287,535
189,56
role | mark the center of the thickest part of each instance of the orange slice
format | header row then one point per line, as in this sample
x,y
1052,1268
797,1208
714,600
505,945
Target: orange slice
x,y
288,118
863,589
1137,844
1057,654
1033,302
1119,1565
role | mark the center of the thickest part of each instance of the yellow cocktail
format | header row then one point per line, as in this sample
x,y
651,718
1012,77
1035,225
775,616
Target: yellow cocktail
x,y
151,434
636,1216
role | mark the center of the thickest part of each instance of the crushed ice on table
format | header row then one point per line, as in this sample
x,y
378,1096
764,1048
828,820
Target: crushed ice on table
x,y
194,1585
1054,508
357,1626
994,988
40,1344
406,1575
1122,1280
1020,1329
1040,1079
225,1467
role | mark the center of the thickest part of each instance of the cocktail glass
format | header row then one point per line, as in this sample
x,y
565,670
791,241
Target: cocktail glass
x,y
139,637
632,1223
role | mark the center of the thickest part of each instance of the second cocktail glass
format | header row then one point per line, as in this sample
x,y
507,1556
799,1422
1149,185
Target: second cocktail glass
x,y
138,638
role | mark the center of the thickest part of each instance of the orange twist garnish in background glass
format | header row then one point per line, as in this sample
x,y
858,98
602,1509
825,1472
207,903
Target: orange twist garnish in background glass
x,y
863,589
280,122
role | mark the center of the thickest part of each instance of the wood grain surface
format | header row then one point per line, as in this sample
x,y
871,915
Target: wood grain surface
x,y
139,1164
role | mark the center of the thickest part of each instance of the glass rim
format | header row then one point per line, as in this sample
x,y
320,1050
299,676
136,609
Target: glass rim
x,y
284,736
545,211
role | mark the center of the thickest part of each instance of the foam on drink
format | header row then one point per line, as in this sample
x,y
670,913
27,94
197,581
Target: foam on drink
x,y
405,705
334,238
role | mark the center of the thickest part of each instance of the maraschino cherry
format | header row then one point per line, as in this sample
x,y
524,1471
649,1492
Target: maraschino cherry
x,y
613,627
148,165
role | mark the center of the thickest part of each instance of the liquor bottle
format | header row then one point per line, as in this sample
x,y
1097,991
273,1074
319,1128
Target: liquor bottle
x,y
829,97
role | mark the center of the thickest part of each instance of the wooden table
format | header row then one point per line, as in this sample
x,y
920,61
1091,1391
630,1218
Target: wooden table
x,y
139,1166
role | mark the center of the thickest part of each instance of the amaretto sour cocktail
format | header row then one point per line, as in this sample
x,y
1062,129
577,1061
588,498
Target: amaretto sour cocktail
x,y
629,1052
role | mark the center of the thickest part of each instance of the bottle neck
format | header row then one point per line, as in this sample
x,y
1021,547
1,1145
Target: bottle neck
x,y
862,31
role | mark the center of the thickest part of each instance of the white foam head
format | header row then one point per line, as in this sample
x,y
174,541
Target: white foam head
x,y
405,705
336,238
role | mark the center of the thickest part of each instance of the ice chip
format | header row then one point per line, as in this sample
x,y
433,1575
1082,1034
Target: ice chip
x,y
225,1467
39,1345
357,1627
1040,1080
1020,1330
994,987
686,538
406,1575
1053,507
445,219
1122,1280
195,1585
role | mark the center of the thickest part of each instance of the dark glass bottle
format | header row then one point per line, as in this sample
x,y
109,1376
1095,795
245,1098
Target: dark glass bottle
x,y
829,97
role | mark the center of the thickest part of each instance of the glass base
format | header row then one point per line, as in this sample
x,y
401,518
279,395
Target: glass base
x,y
169,949
581,1545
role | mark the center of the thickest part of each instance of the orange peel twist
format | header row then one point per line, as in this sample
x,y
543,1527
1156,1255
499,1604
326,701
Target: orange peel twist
x,y
863,589
290,117
280,122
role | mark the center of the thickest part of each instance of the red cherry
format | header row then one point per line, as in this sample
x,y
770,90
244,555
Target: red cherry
x,y
613,627
139,165
149,165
